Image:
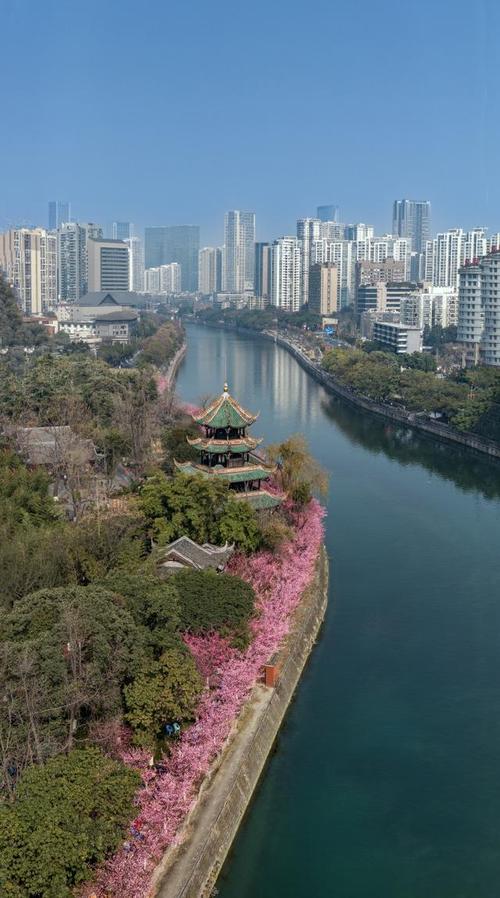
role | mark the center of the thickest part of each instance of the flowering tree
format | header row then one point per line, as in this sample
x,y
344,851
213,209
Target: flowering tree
x,y
168,793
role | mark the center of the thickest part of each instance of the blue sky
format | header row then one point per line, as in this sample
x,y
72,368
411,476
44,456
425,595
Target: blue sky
x,y
165,113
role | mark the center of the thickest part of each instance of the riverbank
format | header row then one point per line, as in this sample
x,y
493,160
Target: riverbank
x,y
433,429
191,870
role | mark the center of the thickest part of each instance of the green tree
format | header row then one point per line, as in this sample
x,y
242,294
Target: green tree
x,y
167,691
67,817
197,507
153,604
210,601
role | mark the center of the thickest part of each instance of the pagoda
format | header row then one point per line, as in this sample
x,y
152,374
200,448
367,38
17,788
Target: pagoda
x,y
228,453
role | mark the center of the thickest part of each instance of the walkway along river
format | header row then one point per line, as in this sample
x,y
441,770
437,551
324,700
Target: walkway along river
x,y
386,781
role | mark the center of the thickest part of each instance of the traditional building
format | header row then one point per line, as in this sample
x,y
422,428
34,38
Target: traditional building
x,y
228,453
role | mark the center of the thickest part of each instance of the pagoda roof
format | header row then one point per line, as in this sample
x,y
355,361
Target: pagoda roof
x,y
241,474
245,444
225,412
260,500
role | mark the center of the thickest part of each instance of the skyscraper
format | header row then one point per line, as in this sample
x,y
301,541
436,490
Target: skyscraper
x,y
207,269
412,218
308,230
108,265
122,230
59,213
28,256
175,243
327,213
239,252
286,292
136,263
263,270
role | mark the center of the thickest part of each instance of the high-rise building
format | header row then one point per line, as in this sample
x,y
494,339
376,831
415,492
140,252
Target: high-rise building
x,y
490,291
72,259
287,268
263,270
308,230
208,264
175,243
238,267
470,310
136,263
59,213
323,289
170,278
28,256
327,213
108,265
163,279
152,280
122,230
412,219
72,262
358,232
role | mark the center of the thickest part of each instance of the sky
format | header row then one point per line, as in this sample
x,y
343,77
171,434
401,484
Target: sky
x,y
170,113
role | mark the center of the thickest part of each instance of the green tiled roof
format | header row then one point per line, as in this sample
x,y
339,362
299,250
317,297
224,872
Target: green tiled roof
x,y
261,499
225,412
230,475
237,447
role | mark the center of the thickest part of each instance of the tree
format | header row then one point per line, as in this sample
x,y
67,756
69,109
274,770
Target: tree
x,y
65,654
175,444
299,472
166,692
210,601
153,604
67,816
197,507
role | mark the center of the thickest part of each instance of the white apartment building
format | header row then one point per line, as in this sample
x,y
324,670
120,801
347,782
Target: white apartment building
x,y
163,279
207,269
28,257
450,250
287,268
170,278
430,306
308,230
136,262
73,240
239,252
490,291
470,311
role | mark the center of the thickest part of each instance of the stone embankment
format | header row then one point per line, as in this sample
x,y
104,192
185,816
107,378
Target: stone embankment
x,y
191,869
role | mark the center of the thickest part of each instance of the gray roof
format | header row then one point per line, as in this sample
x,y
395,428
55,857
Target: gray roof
x,y
112,297
184,551
126,315
50,445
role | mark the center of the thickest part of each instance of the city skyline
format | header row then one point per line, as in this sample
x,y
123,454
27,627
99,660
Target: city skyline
x,y
191,157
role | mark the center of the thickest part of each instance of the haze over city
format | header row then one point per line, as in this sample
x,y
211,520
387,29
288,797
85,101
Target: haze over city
x,y
165,115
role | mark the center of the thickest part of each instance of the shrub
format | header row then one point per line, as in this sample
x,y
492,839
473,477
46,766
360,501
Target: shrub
x,y
210,601
67,816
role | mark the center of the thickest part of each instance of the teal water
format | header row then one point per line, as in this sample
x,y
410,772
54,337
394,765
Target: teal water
x,y
386,778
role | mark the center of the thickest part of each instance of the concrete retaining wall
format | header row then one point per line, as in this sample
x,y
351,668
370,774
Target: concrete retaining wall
x,y
192,870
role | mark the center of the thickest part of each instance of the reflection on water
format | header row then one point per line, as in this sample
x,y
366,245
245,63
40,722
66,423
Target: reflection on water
x,y
468,471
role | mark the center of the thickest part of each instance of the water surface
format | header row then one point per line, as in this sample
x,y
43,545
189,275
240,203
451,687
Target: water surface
x,y
386,778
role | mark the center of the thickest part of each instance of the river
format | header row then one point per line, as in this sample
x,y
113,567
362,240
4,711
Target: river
x,y
386,778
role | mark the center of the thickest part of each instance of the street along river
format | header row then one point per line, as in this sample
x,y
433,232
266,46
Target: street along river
x,y
386,778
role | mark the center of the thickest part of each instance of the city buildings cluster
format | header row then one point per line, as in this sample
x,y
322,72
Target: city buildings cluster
x,y
405,280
